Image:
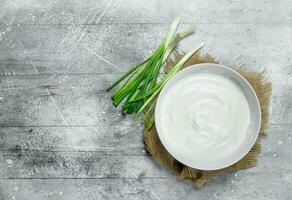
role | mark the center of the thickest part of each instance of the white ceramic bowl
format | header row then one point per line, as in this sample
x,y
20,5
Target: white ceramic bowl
x,y
255,116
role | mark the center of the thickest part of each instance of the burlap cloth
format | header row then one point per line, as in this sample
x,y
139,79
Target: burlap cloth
x,y
263,90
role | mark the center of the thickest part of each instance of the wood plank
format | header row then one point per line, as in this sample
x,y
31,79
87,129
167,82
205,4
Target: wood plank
x,y
101,157
76,110
199,11
56,50
243,186
94,178
83,101
42,49
51,12
145,11
122,138
34,101
40,164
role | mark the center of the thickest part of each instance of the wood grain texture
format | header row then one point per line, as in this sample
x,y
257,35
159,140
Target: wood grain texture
x,y
27,100
131,189
60,136
146,11
121,139
62,154
52,12
114,48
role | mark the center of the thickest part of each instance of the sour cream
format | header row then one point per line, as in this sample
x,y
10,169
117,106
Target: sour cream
x,y
205,116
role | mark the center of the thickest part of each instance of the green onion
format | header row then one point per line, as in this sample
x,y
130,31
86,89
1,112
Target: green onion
x,y
139,85
162,83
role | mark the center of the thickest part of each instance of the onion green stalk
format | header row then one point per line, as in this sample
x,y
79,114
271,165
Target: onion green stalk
x,y
162,83
139,85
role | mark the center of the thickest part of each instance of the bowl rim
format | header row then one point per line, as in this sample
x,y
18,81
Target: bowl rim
x,y
212,166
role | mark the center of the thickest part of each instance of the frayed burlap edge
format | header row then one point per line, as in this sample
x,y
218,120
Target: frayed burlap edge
x,y
263,90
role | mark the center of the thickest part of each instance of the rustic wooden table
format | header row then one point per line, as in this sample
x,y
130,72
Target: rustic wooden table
x,y
60,136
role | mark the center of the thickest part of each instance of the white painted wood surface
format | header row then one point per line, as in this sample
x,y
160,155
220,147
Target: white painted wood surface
x,y
60,136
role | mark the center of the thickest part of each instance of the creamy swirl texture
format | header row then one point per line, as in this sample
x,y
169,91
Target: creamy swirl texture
x,y
206,116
